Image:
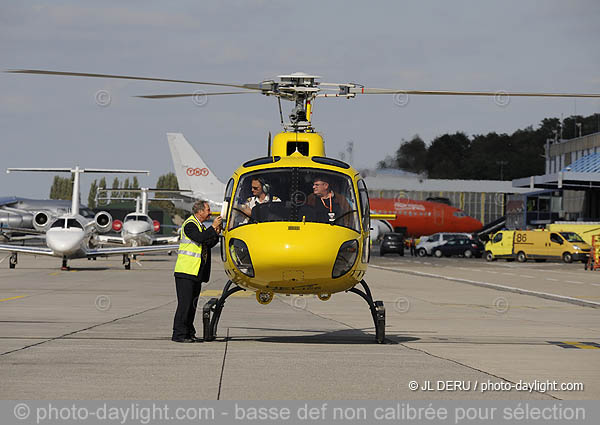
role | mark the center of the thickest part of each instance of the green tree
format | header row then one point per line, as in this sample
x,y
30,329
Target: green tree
x,y
92,195
54,188
126,186
114,195
102,193
62,188
166,181
446,155
412,155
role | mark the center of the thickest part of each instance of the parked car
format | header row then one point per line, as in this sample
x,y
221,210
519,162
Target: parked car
x,y
459,246
427,243
392,242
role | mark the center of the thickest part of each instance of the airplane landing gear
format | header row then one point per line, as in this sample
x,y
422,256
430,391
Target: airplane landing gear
x,y
64,265
126,262
213,307
12,261
377,311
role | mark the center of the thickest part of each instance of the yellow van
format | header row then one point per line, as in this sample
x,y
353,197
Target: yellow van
x,y
585,229
539,245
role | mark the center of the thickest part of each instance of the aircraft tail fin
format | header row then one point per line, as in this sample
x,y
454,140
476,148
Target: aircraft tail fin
x,y
192,172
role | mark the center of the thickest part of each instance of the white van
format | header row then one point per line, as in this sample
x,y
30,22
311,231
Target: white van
x,y
427,243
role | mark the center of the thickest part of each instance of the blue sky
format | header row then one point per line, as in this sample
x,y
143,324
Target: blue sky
x,y
461,45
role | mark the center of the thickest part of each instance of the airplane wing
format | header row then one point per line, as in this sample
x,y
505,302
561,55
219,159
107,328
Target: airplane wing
x,y
166,239
102,252
109,239
26,249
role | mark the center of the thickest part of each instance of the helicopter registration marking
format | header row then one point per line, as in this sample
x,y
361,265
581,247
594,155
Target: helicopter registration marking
x,y
217,293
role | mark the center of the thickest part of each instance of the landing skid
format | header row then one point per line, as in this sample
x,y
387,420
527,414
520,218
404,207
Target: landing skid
x,y
214,307
377,310
211,312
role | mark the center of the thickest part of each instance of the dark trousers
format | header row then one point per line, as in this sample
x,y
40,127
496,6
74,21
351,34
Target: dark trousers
x,y
188,291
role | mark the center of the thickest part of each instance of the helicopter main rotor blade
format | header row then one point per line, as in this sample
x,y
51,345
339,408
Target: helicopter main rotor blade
x,y
127,77
365,90
169,96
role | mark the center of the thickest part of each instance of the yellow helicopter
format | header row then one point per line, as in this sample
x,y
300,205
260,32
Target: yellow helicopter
x,y
310,233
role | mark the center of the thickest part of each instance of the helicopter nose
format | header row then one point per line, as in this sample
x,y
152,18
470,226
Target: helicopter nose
x,y
64,242
301,257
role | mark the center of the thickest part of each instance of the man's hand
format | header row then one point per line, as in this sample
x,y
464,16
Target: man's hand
x,y
217,223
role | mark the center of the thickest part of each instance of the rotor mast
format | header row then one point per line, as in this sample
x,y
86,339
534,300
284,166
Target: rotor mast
x,y
300,88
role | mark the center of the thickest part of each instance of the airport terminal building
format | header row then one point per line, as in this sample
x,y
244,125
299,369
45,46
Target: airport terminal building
x,y
569,190
484,200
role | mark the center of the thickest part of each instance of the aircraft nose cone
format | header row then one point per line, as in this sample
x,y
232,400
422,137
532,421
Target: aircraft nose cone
x,y
136,227
64,242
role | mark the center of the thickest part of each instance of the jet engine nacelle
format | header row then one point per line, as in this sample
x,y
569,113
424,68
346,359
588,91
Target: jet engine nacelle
x,y
11,219
378,228
41,221
103,221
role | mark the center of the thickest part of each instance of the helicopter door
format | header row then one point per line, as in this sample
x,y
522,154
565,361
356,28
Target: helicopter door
x,y
225,214
365,209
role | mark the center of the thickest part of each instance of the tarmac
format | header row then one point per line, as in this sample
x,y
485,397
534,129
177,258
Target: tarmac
x,y
452,326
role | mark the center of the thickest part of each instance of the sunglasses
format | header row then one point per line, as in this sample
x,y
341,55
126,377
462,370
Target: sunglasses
x,y
255,187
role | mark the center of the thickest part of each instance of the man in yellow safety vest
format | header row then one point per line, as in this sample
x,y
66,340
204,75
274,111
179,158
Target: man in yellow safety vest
x,y
193,268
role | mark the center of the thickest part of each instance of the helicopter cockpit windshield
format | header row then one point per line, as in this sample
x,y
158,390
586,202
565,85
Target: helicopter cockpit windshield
x,y
295,195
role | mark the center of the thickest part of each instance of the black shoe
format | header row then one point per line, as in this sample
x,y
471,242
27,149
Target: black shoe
x,y
188,340
195,339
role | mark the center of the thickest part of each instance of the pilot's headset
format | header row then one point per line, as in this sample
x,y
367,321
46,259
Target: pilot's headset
x,y
266,187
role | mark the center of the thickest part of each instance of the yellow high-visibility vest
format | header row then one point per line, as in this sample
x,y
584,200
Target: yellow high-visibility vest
x,y
189,255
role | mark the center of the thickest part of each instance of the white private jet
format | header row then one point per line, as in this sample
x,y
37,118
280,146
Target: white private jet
x,y
137,228
72,235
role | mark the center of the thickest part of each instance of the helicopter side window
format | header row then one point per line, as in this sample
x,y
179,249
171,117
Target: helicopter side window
x,y
364,205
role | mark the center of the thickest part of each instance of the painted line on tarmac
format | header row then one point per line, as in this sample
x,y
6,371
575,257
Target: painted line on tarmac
x,y
553,280
13,298
575,281
545,295
527,276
